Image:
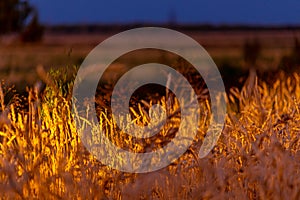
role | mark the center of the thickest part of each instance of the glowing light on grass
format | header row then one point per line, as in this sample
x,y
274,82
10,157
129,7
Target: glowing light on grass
x,y
98,61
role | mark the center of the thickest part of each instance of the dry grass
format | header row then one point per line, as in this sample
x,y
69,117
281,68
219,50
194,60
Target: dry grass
x,y
41,155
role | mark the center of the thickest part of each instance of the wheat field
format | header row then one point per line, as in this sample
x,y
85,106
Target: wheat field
x,y
256,157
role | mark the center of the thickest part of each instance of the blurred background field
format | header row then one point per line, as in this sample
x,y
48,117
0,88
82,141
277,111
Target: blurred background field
x,y
236,35
60,49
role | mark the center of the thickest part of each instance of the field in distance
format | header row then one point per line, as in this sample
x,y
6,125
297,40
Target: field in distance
x,y
18,61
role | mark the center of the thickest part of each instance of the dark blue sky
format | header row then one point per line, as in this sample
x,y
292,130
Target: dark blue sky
x,y
264,12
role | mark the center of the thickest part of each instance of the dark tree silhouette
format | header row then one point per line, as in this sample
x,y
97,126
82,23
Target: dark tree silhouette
x,y
251,52
19,16
290,63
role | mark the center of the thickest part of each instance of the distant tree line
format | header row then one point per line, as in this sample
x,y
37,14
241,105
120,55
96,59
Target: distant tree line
x,y
21,17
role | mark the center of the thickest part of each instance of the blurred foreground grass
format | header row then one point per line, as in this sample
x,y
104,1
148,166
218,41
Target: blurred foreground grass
x,y
42,157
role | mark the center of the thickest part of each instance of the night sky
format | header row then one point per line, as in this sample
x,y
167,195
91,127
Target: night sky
x,y
257,12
